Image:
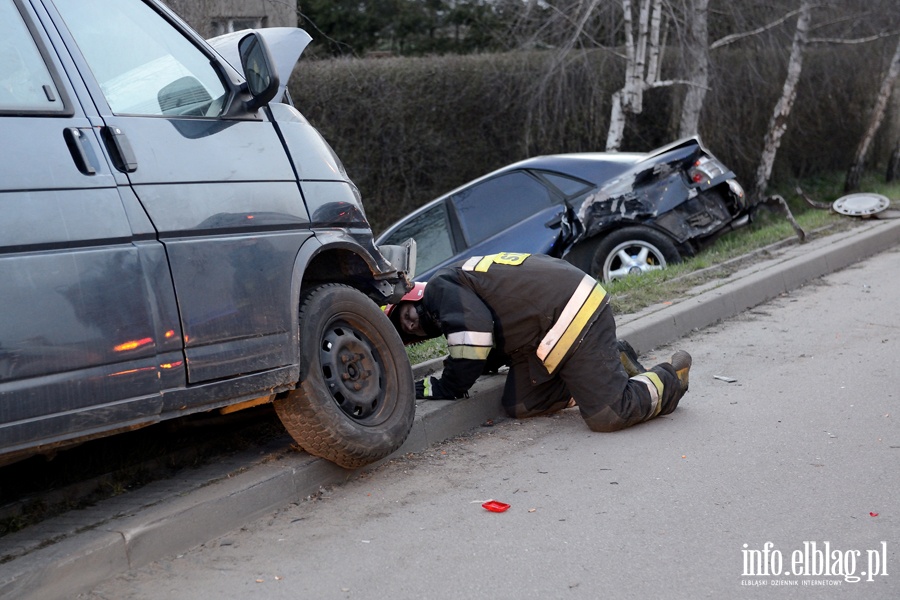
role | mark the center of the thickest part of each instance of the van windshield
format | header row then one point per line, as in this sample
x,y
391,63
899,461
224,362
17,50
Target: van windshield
x,y
143,64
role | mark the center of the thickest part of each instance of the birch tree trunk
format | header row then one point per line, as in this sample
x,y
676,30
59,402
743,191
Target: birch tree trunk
x,y
859,159
641,66
779,120
698,57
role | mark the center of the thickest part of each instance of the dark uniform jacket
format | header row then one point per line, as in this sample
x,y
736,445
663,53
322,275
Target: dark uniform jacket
x,y
530,306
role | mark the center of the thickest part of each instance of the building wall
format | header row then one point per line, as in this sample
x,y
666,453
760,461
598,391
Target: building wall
x,y
215,17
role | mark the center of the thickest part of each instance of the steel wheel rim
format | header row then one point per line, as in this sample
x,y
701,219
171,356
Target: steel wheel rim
x,y
352,369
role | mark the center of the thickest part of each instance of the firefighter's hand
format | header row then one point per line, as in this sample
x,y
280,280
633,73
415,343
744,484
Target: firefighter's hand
x,y
423,388
430,389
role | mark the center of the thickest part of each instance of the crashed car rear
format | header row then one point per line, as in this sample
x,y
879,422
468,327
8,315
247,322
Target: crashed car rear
x,y
611,214
669,205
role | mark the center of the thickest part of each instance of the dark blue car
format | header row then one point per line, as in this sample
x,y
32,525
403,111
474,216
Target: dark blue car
x,y
611,214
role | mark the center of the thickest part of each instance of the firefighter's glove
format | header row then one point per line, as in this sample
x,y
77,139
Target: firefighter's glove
x,y
430,389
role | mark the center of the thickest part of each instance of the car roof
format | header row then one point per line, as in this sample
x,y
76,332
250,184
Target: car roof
x,y
594,167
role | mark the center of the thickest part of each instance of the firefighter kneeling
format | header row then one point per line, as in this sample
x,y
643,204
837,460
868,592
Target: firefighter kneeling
x,y
552,324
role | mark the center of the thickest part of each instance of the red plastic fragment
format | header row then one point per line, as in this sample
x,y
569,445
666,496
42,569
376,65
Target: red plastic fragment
x,y
495,506
873,514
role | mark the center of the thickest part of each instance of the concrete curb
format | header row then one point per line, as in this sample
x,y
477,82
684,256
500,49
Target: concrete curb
x,y
792,268
167,518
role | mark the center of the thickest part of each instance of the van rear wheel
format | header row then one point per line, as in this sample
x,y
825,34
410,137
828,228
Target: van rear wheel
x,y
356,400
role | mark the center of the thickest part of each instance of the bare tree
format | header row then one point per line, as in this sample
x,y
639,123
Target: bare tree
x,y
642,65
881,102
698,65
778,122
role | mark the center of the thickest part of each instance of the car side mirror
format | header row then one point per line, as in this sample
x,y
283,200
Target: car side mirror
x,y
262,80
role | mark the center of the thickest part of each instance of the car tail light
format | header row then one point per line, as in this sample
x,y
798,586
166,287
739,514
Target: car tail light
x,y
706,168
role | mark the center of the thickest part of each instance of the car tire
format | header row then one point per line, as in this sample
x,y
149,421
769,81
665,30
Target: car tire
x,y
356,400
632,250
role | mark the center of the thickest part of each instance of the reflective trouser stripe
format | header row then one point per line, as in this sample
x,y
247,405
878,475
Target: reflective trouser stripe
x,y
427,391
655,387
581,306
473,345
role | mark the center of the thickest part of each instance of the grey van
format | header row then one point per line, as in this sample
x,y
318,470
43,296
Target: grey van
x,y
176,237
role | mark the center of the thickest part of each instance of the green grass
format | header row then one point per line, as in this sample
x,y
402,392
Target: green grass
x,y
730,253
419,353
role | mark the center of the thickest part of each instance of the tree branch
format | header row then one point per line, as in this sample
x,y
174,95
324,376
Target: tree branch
x,y
864,40
735,37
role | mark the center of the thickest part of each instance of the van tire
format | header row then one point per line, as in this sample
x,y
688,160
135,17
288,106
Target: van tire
x,y
356,400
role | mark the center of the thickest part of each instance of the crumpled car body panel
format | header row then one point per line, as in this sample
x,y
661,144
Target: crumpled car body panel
x,y
656,192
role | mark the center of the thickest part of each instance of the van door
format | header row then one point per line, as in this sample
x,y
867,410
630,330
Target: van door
x,y
86,320
220,191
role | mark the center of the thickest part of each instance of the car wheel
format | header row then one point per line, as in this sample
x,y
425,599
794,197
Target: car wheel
x,y
631,251
356,400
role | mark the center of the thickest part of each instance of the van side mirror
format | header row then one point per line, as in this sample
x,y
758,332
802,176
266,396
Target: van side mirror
x,y
262,80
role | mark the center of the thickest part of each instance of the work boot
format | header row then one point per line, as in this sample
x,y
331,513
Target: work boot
x,y
629,359
681,361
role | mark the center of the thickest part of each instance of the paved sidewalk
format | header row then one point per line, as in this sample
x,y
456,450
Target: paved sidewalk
x,y
72,553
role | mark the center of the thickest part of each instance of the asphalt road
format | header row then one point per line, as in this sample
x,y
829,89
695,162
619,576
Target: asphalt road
x,y
781,483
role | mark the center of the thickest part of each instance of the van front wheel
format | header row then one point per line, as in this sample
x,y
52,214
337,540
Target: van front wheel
x,y
356,400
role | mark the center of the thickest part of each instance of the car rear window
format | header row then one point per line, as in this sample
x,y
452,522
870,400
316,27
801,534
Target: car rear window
x,y
569,186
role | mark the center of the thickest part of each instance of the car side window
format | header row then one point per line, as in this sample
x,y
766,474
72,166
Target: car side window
x,y
432,234
143,64
25,81
490,207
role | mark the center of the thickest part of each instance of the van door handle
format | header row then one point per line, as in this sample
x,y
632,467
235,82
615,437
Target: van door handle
x,y
120,149
75,141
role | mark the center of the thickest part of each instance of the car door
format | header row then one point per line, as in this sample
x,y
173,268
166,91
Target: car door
x,y
507,213
85,300
220,190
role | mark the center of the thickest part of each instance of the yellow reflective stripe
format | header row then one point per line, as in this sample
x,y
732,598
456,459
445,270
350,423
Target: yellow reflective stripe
x,y
655,387
470,264
470,338
481,264
484,264
554,356
576,301
572,332
469,352
427,387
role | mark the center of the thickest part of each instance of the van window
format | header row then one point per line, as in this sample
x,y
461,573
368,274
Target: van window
x,y
25,82
143,64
